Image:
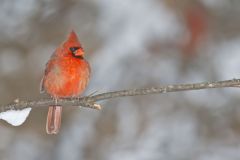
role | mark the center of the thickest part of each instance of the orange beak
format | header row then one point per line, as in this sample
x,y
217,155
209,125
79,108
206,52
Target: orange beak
x,y
79,52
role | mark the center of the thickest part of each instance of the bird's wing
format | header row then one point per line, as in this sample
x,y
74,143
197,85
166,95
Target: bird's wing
x,y
47,66
42,90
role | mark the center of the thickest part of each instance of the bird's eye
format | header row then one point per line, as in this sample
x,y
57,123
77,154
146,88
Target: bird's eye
x,y
73,49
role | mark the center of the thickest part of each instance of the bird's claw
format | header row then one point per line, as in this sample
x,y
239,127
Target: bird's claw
x,y
97,106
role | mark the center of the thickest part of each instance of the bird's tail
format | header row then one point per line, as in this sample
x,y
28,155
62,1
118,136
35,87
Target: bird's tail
x,y
54,119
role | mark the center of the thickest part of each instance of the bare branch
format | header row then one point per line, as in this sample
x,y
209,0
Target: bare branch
x,y
90,101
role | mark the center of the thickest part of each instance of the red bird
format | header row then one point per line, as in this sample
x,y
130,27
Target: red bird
x,y
66,75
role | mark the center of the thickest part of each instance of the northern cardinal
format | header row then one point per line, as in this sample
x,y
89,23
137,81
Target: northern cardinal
x,y
66,75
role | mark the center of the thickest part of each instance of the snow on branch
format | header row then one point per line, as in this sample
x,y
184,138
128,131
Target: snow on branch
x,y
15,117
90,101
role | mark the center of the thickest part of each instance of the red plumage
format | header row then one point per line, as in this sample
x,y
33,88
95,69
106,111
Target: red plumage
x,y
66,75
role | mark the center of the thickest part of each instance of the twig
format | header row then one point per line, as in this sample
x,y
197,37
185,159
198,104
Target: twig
x,y
90,101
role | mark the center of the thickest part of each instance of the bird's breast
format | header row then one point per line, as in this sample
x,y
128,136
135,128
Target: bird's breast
x,y
67,77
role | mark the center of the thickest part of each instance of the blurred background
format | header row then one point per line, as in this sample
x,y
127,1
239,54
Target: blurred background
x,y
129,44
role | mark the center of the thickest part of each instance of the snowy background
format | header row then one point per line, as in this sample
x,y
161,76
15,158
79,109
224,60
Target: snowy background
x,y
129,44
